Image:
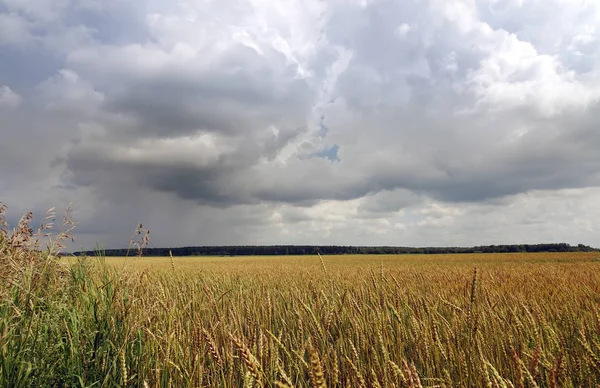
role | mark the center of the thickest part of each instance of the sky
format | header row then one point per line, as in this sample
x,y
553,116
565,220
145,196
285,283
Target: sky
x,y
354,122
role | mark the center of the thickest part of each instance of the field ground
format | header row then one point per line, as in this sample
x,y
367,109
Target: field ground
x,y
475,320
356,262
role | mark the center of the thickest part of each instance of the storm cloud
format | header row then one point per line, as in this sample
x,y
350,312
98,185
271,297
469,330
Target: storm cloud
x,y
315,122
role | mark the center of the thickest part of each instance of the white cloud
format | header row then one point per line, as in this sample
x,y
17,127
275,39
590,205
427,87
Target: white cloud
x,y
8,98
68,92
13,29
515,75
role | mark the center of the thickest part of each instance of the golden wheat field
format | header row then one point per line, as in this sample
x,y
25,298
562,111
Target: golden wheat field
x,y
474,320
477,320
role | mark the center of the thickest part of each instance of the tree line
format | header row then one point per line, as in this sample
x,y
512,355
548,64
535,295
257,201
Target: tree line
x,y
282,250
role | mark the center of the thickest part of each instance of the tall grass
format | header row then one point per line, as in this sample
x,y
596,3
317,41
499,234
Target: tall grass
x,y
517,321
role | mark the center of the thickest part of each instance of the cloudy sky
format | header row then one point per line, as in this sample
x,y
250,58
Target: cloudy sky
x,y
355,122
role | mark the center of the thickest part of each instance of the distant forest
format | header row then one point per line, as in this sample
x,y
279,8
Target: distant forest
x,y
281,250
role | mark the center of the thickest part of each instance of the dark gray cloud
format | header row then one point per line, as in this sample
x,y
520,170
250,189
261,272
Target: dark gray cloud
x,y
313,122
232,96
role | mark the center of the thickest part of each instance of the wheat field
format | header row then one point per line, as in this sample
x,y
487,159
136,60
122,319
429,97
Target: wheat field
x,y
495,320
477,320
